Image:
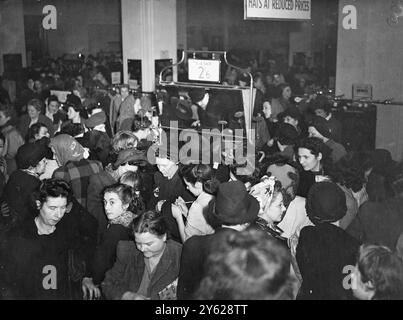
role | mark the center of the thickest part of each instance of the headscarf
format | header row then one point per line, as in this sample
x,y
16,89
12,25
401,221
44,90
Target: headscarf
x,y
66,149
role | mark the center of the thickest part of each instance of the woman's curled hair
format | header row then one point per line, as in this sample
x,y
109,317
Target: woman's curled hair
x,y
125,193
54,188
201,173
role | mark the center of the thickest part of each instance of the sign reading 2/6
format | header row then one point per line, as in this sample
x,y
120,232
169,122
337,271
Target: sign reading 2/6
x,y
204,70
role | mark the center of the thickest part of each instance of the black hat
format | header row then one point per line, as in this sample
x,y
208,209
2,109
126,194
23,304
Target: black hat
x,y
30,154
197,94
233,204
322,126
286,134
326,202
136,157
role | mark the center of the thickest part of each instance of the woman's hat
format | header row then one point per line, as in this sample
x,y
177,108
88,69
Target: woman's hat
x,y
30,154
96,120
134,156
326,202
233,204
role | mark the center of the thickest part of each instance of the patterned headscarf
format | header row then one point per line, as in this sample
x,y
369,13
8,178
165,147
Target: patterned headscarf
x,y
66,149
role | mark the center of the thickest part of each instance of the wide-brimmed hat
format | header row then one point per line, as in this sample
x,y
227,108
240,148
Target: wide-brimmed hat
x,y
326,202
132,156
233,204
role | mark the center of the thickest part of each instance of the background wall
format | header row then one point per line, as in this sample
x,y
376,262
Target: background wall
x,y
86,26
372,54
12,38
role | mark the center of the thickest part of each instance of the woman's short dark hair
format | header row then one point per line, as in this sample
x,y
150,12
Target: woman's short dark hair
x,y
349,171
125,193
34,130
150,221
316,146
53,98
383,269
203,173
54,188
247,265
73,129
280,88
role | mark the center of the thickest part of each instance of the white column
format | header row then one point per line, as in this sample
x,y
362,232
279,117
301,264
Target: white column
x,y
148,33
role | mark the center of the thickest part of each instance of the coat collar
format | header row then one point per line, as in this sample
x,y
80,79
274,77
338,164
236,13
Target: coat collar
x,y
161,268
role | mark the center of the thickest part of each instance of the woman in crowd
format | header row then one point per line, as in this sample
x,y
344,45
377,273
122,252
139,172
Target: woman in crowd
x,y
31,161
120,211
13,139
248,265
324,249
147,268
38,251
271,198
74,110
37,131
378,274
73,165
349,174
267,115
35,107
134,180
379,220
232,210
53,112
314,157
201,183
281,103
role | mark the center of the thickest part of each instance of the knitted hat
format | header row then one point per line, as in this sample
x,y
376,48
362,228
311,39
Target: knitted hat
x,y
95,120
326,202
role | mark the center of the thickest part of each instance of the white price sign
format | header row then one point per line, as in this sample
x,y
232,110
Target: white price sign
x,y
204,70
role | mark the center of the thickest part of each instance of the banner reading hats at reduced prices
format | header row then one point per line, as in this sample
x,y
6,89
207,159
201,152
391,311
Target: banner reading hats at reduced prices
x,y
278,9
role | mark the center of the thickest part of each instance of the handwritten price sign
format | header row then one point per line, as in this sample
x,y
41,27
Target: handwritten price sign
x,y
204,70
